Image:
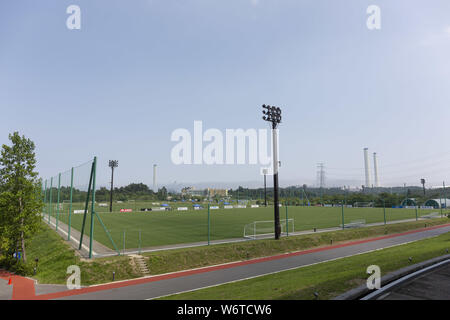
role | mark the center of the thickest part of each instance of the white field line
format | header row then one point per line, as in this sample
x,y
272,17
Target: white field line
x,y
288,269
72,238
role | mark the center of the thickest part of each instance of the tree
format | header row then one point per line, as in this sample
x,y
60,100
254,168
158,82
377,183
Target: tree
x,y
162,193
20,197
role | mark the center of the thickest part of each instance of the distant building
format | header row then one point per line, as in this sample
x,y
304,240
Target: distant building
x,y
191,191
217,192
208,192
438,203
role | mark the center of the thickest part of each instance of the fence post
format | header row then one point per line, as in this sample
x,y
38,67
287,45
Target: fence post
x,y
342,205
70,206
91,237
50,202
57,202
123,242
139,241
384,211
445,199
287,221
86,207
209,227
45,198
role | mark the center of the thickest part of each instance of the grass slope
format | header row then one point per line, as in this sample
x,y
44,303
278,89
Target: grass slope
x,y
55,256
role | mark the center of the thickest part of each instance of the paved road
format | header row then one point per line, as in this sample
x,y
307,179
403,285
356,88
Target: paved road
x,y
5,290
157,286
433,285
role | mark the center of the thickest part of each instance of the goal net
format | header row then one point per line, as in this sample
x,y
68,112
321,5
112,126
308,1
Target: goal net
x,y
363,205
262,229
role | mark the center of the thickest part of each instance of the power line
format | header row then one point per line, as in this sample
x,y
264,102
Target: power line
x,y
321,175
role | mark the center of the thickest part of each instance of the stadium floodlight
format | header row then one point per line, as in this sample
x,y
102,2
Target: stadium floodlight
x,y
112,164
272,114
422,181
265,186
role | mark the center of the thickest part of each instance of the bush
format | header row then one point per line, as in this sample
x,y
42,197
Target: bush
x,y
18,266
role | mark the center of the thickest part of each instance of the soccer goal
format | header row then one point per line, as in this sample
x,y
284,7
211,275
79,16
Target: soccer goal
x,y
65,206
432,215
264,229
363,205
355,224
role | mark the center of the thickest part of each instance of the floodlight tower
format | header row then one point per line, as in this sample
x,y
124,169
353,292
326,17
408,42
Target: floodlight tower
x,y
265,190
112,164
272,114
422,181
366,167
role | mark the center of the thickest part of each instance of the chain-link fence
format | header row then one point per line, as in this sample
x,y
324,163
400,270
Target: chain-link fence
x,y
148,224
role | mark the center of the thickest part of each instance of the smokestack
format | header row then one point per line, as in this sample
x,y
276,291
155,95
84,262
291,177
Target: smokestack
x,y
154,179
375,170
366,167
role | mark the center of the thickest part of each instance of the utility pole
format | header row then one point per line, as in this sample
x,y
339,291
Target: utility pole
x,y
304,194
273,114
112,164
406,194
443,191
422,181
321,179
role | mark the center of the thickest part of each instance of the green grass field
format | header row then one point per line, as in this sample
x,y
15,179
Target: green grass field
x,y
174,227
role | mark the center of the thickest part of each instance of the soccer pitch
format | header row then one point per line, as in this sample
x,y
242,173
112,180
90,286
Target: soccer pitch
x,y
152,228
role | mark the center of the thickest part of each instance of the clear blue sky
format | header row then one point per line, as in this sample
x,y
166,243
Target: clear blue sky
x,y
139,69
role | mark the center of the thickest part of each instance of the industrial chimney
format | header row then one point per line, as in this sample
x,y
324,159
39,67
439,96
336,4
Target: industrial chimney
x,y
366,167
154,179
375,170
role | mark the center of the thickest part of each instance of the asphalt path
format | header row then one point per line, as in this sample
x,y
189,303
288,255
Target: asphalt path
x,y
168,284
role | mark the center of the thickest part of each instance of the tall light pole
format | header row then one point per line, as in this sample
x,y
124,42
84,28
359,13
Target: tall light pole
x,y
273,114
112,164
265,189
422,181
